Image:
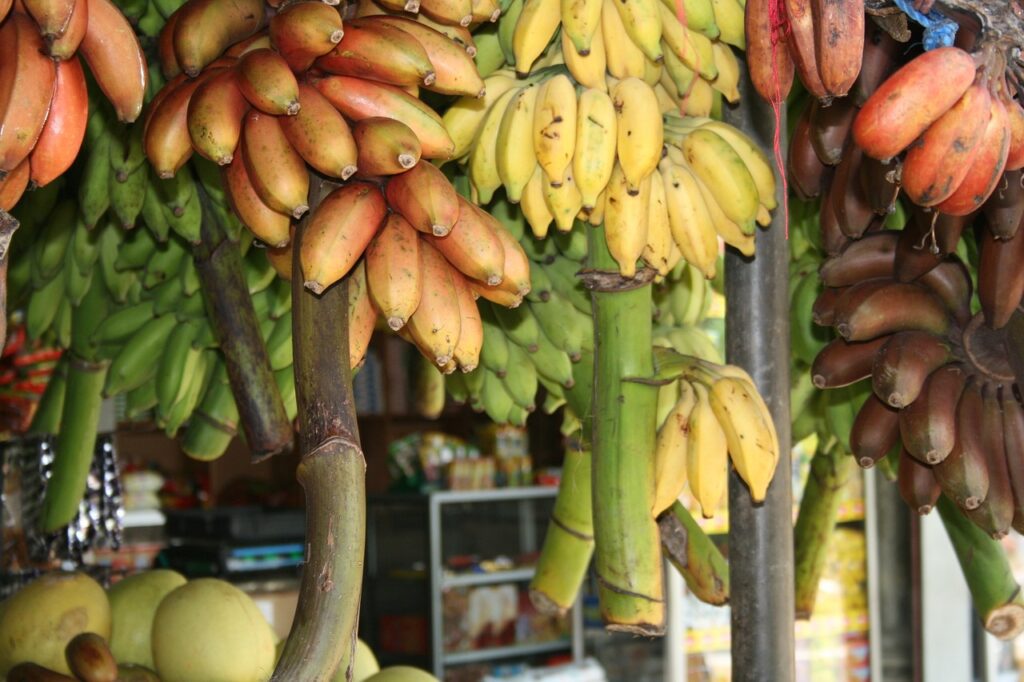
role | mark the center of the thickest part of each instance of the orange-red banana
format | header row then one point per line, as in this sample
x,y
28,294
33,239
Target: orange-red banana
x,y
937,163
393,271
454,12
280,257
66,44
27,79
206,28
13,186
424,197
166,139
320,135
386,146
455,72
379,52
912,99
801,43
473,247
839,43
362,317
516,270
165,47
338,232
768,58
304,31
466,352
357,99
64,129
437,322
275,168
268,225
268,83
985,169
257,41
498,294
216,111
1015,116
52,16
114,55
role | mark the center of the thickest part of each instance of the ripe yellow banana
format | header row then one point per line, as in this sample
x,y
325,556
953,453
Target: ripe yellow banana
x,y
581,22
670,453
677,78
625,220
554,127
652,72
666,103
753,158
516,160
729,19
731,233
692,48
689,218
463,118
728,68
537,23
596,140
466,352
658,251
483,160
639,131
707,454
534,206
642,20
624,58
715,162
588,70
748,431
700,100
564,201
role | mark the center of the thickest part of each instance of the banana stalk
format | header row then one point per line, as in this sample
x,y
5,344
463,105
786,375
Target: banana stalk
x,y
46,419
332,471
8,225
694,555
261,410
628,550
994,590
819,506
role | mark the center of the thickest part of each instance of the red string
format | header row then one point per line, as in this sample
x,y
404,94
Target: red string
x,y
779,23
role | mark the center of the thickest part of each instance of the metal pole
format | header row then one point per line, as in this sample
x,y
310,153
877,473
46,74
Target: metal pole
x,y
757,338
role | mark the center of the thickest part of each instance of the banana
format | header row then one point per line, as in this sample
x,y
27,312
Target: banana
x,y
520,326
581,24
495,399
623,57
534,28
877,307
964,474
729,20
494,354
63,46
62,134
587,69
166,137
516,159
904,363
52,16
27,84
177,363
276,170
483,167
516,267
563,200
393,271
753,445
625,220
126,198
362,317
357,99
473,246
739,237
216,111
521,384
266,224
671,456
455,12
338,233
379,52
689,218
690,47
43,306
133,365
642,20
753,158
303,31
54,239
639,132
725,174
471,333
204,29
698,15
462,119
660,251
595,148
728,69
425,198
115,58
535,206
554,127
986,169
436,324
386,147
267,81
707,454
561,324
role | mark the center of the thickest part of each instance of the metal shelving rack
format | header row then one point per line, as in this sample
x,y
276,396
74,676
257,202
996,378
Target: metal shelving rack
x,y
529,540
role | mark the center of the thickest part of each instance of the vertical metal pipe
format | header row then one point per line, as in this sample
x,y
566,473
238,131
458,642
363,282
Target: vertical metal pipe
x,y
757,339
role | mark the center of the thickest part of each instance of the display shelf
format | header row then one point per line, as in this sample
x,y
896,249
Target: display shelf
x,y
517,650
494,578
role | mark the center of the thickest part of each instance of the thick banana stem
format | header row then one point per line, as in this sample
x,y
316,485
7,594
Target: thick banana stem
x,y
819,506
994,590
8,225
46,420
332,472
628,549
261,410
694,555
76,442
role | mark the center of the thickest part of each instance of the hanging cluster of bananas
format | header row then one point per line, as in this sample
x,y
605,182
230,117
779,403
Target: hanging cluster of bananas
x,y
44,102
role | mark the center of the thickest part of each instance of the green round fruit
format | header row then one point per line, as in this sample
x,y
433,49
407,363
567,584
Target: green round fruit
x,y
402,673
37,622
210,630
133,604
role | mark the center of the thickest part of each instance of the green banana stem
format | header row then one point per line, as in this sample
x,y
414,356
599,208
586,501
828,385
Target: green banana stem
x,y
8,225
694,555
994,590
628,549
46,420
76,442
219,264
819,507
332,471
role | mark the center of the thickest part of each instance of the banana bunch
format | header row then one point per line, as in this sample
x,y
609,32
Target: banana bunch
x,y
44,106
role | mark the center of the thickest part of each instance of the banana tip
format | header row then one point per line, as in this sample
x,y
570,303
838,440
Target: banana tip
x,y
314,286
866,462
396,323
440,230
412,6
442,360
407,160
293,108
348,171
466,20
468,367
495,15
429,79
299,210
494,280
336,36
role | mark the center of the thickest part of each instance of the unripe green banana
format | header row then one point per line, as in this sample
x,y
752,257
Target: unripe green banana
x,y
140,400
279,343
167,297
135,250
43,306
521,383
53,241
560,323
76,281
134,365
153,213
127,197
520,326
123,323
497,401
494,352
165,263
552,363
178,361
94,188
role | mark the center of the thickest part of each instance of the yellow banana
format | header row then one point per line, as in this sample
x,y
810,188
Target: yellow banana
x,y
700,100
677,78
748,431
753,158
728,68
625,220
764,218
731,233
715,162
581,21
652,72
534,207
516,160
670,452
692,48
588,70
729,19
689,218
666,102
698,15
563,200
463,118
483,160
596,139
537,23
658,249
642,20
639,131
554,127
624,58
707,454
596,215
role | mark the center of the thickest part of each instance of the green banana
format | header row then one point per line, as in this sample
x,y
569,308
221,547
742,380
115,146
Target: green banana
x,y
54,240
153,214
165,263
43,306
520,326
62,323
279,343
117,283
494,351
562,273
94,188
76,281
85,245
560,323
572,244
135,250
521,383
140,400
167,297
134,364
178,362
552,363
497,401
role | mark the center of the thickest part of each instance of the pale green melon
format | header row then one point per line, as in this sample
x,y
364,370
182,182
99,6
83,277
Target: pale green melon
x,y
133,603
37,622
209,630
402,673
